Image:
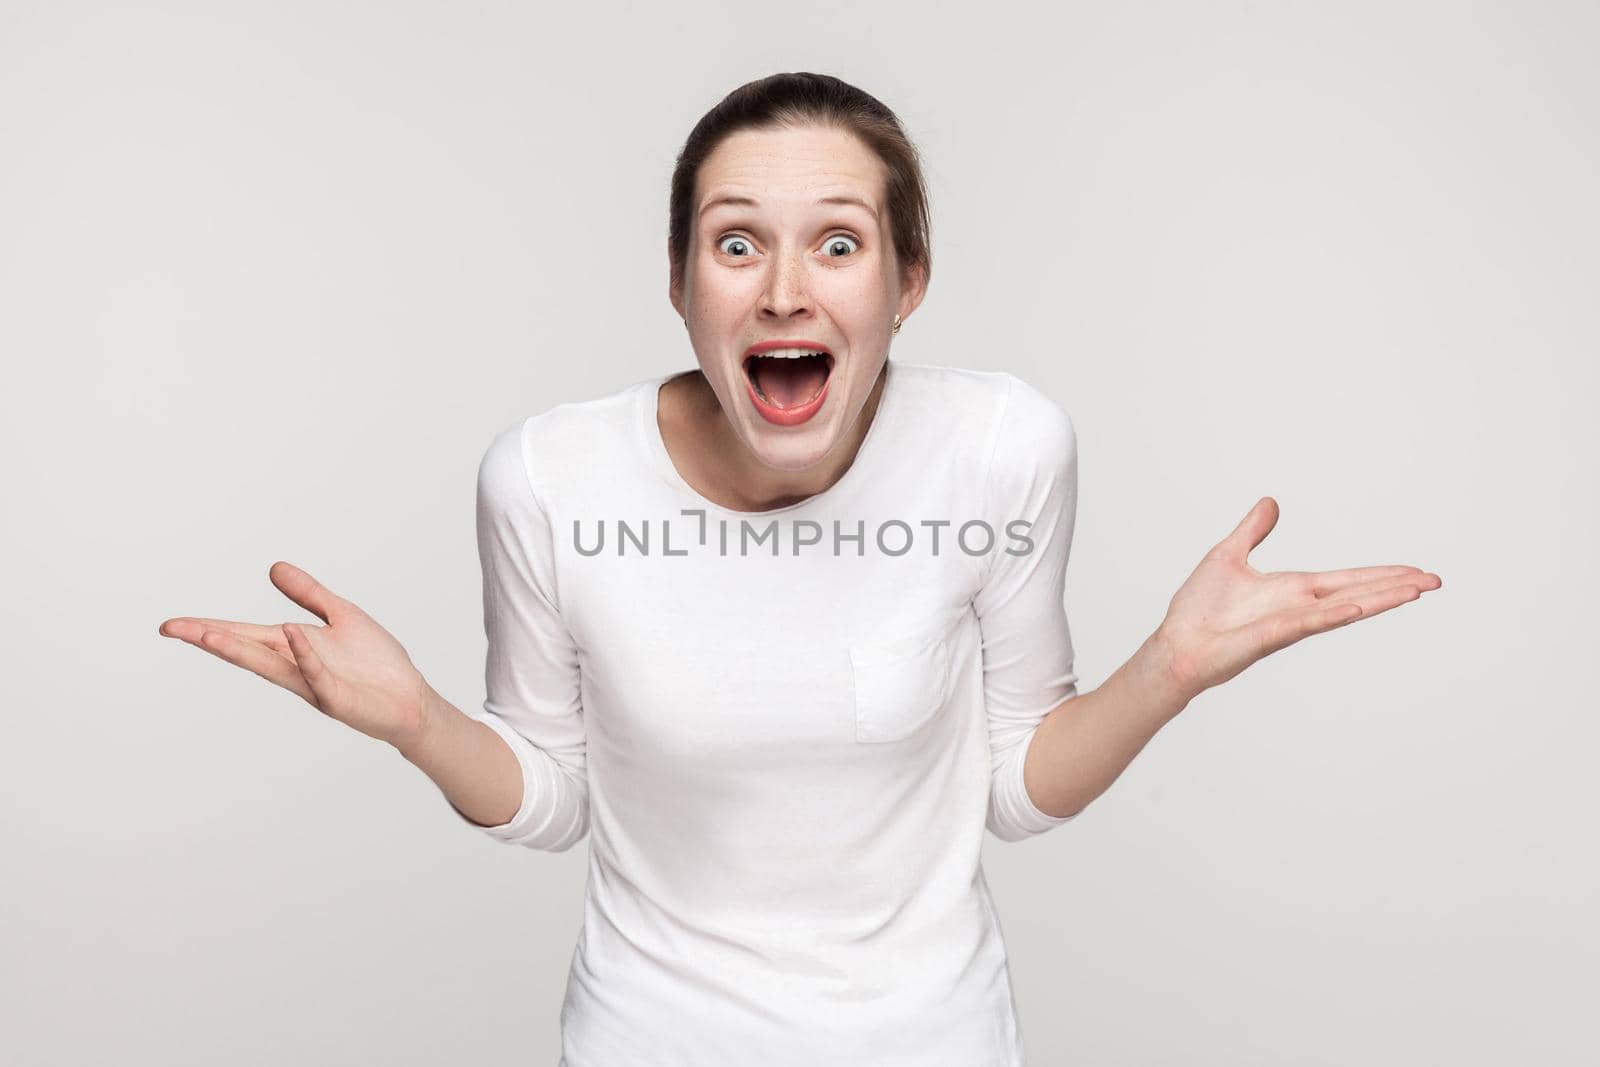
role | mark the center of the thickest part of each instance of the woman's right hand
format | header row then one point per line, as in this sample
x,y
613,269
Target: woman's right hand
x,y
351,669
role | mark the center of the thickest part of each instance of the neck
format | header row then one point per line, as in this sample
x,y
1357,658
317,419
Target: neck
x,y
740,479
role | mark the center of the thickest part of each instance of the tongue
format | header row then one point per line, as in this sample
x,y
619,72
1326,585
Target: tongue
x,y
790,382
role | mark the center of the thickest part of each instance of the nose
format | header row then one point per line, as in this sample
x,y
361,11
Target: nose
x,y
785,295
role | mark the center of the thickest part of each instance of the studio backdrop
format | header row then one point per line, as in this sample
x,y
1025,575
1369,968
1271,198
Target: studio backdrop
x,y
272,276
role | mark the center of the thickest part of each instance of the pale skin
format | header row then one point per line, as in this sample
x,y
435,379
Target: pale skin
x,y
775,267
783,266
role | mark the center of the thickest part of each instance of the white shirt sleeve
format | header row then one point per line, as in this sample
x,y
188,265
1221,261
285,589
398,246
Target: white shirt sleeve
x,y
531,674
1027,647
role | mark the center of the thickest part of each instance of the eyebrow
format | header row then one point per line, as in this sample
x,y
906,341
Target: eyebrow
x,y
745,201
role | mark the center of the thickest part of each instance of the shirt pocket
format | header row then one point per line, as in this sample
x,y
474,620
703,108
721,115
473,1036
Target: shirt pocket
x,y
900,684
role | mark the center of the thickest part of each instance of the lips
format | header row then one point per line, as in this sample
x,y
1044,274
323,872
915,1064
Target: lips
x,y
788,379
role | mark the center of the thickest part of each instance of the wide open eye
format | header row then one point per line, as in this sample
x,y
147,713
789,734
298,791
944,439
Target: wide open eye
x,y
838,240
734,240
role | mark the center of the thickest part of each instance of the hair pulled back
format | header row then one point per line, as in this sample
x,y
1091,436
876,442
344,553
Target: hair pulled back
x,y
804,99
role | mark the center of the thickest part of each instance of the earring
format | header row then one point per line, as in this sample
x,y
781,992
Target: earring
x,y
896,327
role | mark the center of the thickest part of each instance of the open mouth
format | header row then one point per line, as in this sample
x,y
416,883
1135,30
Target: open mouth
x,y
788,379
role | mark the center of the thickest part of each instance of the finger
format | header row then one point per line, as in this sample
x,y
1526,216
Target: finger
x,y
1359,593
310,663
1283,630
190,627
257,659
1322,583
305,590
1251,531
1372,603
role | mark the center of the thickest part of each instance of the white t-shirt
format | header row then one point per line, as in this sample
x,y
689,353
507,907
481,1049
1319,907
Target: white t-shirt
x,y
785,731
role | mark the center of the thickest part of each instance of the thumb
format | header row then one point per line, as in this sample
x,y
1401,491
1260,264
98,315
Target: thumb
x,y
317,675
1251,531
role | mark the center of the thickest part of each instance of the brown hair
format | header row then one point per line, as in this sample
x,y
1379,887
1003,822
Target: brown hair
x,y
802,99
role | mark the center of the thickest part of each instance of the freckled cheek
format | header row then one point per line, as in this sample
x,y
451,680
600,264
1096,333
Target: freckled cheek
x,y
853,306
714,290
863,287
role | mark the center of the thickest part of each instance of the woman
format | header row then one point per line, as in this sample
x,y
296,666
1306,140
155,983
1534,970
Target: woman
x,y
786,633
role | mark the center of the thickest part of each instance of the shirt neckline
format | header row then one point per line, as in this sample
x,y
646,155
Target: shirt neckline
x,y
648,408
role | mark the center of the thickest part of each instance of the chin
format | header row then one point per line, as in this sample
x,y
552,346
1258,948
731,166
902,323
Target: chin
x,y
786,450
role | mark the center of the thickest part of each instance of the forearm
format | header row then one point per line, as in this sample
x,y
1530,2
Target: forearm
x,y
469,762
1086,743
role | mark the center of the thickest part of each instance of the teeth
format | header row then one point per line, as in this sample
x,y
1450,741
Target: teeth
x,y
791,353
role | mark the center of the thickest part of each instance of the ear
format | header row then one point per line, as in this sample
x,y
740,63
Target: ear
x,y
913,286
674,286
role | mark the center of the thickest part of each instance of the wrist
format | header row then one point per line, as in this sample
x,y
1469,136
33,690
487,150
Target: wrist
x,y
426,718
1162,671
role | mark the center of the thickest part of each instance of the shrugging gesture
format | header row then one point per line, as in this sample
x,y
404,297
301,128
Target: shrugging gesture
x,y
350,669
1228,615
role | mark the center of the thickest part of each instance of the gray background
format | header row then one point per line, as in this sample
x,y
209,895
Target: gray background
x,y
271,276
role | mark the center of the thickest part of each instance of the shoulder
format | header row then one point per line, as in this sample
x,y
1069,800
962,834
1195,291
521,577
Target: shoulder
x,y
538,453
955,409
1034,451
990,429
1033,423
998,403
957,390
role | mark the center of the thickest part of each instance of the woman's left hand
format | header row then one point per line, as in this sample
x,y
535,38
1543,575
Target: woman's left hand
x,y
1228,614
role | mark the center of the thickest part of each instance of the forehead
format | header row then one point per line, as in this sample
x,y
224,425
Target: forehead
x,y
792,162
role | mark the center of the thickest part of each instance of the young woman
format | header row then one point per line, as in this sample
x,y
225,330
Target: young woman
x,y
785,634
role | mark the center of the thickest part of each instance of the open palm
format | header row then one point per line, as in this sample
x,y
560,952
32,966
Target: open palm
x,y
351,669
1228,615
